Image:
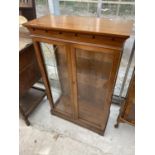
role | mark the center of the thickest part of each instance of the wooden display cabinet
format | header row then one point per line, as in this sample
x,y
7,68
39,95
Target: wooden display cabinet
x,y
29,74
87,53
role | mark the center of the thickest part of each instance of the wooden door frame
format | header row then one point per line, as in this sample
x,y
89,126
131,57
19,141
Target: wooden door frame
x,y
42,67
116,54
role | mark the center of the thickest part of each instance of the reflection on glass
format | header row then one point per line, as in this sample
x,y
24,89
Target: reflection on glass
x,y
77,8
93,71
55,59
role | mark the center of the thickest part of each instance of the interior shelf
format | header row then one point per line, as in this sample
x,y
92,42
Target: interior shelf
x,y
31,99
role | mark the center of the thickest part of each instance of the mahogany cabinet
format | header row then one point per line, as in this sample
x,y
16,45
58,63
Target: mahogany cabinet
x,y
29,73
87,53
127,110
28,69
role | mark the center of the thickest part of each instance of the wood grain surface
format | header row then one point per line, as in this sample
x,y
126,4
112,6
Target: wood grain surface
x,y
83,24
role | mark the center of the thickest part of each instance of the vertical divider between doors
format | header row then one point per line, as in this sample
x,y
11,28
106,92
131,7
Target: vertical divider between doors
x,y
73,81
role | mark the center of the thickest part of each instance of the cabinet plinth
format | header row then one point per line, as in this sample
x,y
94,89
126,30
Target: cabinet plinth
x,y
87,53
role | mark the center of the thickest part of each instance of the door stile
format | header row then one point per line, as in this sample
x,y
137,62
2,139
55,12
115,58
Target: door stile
x,y
67,47
74,81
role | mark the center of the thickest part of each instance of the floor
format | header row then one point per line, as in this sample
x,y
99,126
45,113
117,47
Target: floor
x,y
50,135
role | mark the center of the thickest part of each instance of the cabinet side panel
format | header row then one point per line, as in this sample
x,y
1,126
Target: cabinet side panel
x,y
129,113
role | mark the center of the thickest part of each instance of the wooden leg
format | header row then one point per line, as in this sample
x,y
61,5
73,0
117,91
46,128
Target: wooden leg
x,y
24,116
116,125
119,116
27,122
51,112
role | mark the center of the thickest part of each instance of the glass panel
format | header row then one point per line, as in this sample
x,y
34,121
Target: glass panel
x,y
42,8
93,71
128,0
122,68
92,8
111,0
55,58
127,11
78,8
109,10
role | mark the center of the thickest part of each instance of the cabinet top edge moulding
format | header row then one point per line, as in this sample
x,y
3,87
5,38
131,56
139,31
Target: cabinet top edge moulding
x,y
88,25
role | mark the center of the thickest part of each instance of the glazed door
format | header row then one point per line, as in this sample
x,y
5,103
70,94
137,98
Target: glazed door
x,y
57,63
95,71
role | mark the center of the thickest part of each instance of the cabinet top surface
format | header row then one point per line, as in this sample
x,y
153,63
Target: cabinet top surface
x,y
93,25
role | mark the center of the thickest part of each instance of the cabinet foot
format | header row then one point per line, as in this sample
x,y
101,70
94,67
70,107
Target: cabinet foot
x,y
51,112
27,122
116,125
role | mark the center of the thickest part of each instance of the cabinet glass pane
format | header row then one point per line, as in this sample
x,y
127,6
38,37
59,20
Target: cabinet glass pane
x,y
55,58
93,72
76,8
